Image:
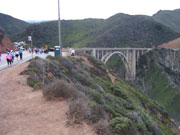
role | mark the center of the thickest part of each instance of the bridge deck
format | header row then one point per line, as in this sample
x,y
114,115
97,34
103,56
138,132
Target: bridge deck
x,y
113,49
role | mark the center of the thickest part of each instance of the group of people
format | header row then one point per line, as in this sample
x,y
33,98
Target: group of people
x,y
12,54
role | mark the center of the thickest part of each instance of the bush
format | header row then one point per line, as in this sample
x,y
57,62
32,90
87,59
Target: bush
x,y
82,109
60,88
31,82
120,123
102,128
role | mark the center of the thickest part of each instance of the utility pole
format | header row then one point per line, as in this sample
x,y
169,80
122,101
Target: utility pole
x,y
31,46
59,28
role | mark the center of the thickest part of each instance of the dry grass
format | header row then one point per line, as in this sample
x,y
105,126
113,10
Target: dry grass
x,y
60,88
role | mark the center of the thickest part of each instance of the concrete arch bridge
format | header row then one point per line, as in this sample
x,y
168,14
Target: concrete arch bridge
x,y
129,57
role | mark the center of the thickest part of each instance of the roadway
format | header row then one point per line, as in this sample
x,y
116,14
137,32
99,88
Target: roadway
x,y
26,56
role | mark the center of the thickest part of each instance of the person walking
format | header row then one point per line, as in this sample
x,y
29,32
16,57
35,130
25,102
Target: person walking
x,y
12,54
17,54
21,54
73,52
9,58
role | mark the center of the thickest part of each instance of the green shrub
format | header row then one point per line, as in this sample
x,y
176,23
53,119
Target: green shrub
x,y
120,123
31,82
92,104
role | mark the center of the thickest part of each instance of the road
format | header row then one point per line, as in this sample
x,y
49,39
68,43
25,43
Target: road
x,y
26,56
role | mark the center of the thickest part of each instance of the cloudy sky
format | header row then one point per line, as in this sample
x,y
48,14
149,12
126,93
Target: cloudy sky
x,y
80,9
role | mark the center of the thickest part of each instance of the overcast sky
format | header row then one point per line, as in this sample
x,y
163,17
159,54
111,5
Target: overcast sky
x,y
80,9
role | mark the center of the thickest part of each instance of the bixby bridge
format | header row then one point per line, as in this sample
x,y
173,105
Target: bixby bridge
x,y
129,57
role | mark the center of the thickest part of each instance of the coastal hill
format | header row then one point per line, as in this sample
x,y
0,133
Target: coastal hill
x,y
120,30
11,25
170,18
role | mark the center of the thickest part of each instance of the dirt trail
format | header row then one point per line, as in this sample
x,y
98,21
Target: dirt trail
x,y
23,112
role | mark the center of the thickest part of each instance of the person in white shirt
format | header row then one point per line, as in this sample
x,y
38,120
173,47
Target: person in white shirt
x,y
72,52
17,54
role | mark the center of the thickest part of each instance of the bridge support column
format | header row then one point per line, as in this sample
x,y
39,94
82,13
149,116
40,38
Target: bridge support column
x,y
98,55
137,58
131,58
94,53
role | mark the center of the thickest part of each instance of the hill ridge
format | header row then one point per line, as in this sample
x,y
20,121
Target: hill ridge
x,y
11,25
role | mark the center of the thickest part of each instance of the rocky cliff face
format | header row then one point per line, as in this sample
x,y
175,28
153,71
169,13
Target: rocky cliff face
x,y
158,76
4,42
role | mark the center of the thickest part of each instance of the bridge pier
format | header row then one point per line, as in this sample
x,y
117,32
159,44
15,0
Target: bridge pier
x,y
93,52
131,60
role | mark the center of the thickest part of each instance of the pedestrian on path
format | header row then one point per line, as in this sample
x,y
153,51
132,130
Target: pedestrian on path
x,y
9,59
21,54
17,54
12,54
72,52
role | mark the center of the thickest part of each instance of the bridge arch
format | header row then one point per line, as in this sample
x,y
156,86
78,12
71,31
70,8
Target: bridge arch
x,y
129,57
106,58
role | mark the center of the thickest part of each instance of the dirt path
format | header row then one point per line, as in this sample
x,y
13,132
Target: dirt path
x,y
23,112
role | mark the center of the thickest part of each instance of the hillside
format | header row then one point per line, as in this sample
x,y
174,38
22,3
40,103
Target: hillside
x,y
11,25
171,44
120,30
47,32
158,76
99,97
4,42
124,30
169,18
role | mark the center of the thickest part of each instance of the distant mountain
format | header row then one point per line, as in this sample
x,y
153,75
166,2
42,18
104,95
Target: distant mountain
x,y
120,30
4,42
47,32
169,18
11,25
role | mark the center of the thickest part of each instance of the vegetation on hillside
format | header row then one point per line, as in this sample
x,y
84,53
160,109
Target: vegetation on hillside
x,y
112,106
123,30
169,18
11,25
